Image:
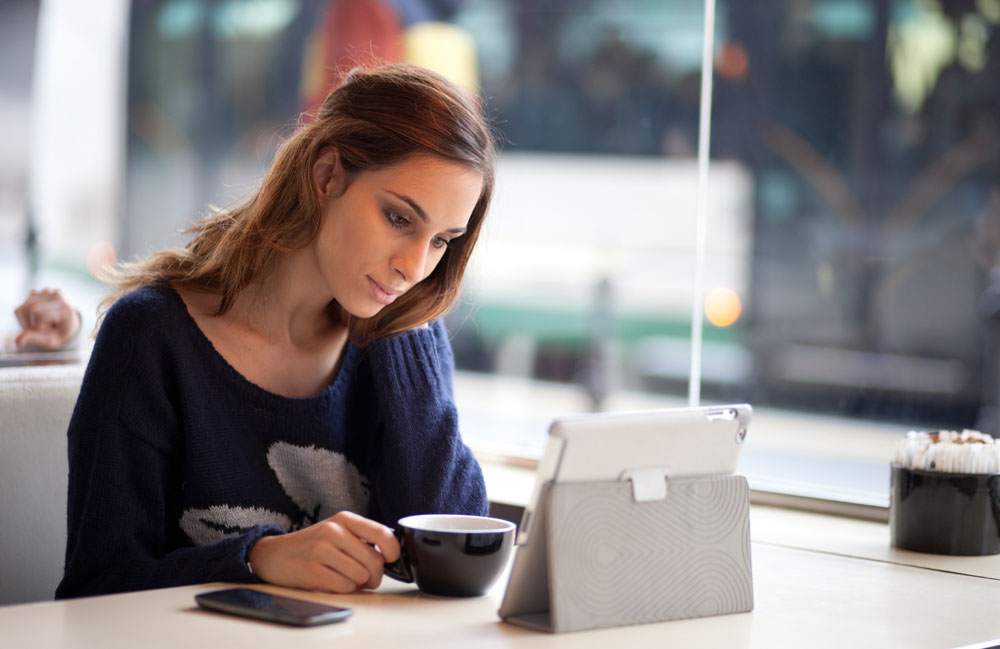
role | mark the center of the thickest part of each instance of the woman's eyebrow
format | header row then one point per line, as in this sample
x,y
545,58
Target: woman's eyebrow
x,y
415,206
412,203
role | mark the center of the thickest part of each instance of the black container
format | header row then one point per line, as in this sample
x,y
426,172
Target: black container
x,y
944,513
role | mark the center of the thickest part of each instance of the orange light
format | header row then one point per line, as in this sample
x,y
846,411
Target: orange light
x,y
722,306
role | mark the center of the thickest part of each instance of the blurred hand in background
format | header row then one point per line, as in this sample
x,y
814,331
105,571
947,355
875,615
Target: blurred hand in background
x,y
47,321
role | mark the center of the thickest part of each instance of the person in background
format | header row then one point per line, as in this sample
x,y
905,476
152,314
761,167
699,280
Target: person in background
x,y
47,322
265,402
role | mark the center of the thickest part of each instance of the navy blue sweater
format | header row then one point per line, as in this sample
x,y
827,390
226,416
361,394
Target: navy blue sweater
x,y
178,463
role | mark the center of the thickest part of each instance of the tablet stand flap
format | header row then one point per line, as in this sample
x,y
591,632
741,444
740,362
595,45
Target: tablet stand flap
x,y
613,561
526,600
648,483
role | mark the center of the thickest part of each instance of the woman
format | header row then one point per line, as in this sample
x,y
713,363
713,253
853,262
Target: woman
x,y
263,402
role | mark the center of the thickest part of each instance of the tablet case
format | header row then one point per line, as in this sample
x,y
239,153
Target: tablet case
x,y
603,554
680,442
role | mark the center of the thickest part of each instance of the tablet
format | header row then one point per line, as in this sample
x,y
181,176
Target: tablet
x,y
693,441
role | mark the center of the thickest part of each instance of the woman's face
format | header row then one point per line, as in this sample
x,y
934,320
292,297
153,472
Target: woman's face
x,y
389,229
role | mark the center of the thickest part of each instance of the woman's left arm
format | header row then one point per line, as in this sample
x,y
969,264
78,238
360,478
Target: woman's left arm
x,y
425,465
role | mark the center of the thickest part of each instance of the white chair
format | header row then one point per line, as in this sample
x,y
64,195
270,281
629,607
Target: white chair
x,y
35,406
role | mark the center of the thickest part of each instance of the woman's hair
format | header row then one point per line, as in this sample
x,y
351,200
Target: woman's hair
x,y
376,118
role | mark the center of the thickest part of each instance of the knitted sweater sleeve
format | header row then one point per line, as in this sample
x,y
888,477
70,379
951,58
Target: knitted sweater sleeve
x,y
124,445
426,466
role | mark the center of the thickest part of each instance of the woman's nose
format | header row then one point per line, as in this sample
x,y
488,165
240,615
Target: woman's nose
x,y
411,262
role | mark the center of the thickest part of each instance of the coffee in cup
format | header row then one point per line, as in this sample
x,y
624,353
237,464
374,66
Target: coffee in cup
x,y
452,554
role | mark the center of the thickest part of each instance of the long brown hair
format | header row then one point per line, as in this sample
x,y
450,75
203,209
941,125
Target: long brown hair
x,y
376,118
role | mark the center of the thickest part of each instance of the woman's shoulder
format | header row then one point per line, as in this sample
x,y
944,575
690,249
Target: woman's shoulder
x,y
437,334
429,336
130,340
152,301
423,349
143,311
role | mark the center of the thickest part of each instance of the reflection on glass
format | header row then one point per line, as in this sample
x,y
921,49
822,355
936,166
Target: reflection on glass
x,y
874,159
854,208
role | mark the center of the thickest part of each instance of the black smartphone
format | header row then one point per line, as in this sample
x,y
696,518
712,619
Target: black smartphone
x,y
273,608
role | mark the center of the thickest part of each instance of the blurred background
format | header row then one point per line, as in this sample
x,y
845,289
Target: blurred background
x,y
853,254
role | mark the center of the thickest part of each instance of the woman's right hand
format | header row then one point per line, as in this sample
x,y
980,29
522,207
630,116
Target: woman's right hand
x,y
341,554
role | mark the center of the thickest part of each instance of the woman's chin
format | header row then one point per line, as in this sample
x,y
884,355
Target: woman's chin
x,y
364,311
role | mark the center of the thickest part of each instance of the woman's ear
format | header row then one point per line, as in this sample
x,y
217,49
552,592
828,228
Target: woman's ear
x,y
328,174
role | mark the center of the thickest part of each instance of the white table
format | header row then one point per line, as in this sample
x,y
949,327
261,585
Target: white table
x,y
802,598
819,581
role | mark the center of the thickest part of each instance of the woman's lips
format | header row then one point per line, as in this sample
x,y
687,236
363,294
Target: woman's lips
x,y
381,294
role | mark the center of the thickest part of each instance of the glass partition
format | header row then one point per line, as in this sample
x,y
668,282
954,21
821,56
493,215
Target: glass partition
x,y
853,205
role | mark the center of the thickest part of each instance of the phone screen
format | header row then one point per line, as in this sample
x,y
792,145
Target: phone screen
x,y
274,608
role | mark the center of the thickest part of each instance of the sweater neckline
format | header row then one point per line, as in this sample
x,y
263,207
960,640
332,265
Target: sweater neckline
x,y
337,388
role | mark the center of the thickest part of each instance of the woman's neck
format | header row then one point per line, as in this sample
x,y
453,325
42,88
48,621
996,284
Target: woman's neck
x,y
286,307
278,334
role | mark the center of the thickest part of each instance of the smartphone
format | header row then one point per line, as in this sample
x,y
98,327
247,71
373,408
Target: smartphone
x,y
273,608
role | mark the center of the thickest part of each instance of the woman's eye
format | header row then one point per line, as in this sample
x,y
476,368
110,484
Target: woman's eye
x,y
441,242
396,220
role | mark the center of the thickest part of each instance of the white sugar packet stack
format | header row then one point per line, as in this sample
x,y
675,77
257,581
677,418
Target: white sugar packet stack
x,y
949,451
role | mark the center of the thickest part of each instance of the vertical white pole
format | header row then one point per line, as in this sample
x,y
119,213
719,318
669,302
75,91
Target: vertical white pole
x,y
704,137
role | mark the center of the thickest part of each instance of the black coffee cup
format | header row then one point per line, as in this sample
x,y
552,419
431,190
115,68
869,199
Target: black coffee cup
x,y
452,554
944,513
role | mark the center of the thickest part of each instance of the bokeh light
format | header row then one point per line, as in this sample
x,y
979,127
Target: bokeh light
x,y
733,62
722,306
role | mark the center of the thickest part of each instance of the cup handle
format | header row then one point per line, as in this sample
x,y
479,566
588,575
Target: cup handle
x,y
399,569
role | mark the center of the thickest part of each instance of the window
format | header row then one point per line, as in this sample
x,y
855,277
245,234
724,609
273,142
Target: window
x,y
855,201
853,205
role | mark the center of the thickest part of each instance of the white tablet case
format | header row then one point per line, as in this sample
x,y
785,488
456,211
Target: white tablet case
x,y
646,547
598,558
